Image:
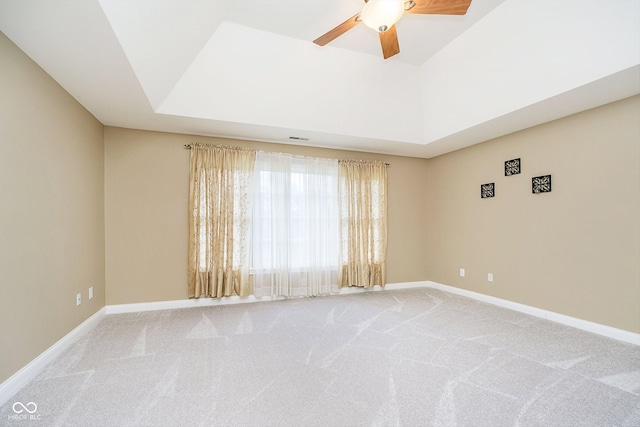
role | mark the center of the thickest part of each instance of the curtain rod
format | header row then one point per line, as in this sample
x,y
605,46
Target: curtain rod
x,y
188,146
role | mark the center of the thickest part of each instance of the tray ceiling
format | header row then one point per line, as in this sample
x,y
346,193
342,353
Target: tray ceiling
x,y
249,70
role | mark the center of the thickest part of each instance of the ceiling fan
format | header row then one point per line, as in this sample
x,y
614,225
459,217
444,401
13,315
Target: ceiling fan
x,y
382,15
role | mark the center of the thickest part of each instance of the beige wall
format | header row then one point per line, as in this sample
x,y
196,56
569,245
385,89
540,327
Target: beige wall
x,y
575,250
51,210
147,184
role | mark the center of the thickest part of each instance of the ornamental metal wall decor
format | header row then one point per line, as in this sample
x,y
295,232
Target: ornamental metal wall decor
x,y
487,190
541,184
512,167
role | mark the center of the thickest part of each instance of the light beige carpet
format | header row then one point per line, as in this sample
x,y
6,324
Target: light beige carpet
x,y
414,357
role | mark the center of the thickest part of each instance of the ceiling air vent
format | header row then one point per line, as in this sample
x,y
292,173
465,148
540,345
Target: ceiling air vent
x,y
298,138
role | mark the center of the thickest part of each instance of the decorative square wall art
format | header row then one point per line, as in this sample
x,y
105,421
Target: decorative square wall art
x,y
512,167
541,184
487,190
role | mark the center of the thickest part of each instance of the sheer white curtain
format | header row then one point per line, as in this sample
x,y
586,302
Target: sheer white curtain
x,y
295,225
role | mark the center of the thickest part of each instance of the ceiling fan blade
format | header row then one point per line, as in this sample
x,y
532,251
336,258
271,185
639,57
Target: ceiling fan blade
x,y
440,7
389,42
338,31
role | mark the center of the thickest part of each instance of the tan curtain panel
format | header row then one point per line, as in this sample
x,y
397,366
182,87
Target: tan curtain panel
x,y
221,180
363,223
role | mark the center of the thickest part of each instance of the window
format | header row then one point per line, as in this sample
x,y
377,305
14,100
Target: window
x,y
295,225
282,225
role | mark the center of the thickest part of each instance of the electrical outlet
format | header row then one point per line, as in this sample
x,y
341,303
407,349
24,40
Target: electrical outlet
x,y
78,299
490,277
462,272
91,292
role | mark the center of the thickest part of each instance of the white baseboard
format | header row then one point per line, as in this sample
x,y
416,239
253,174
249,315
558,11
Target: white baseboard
x,y
585,325
607,331
210,302
11,386
18,380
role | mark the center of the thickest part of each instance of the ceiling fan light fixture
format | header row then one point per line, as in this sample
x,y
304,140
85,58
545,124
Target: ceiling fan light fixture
x,y
381,15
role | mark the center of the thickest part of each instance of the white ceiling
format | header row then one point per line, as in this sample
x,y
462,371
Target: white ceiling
x,y
249,70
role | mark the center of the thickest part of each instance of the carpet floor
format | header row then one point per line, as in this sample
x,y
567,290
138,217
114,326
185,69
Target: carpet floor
x,y
414,357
